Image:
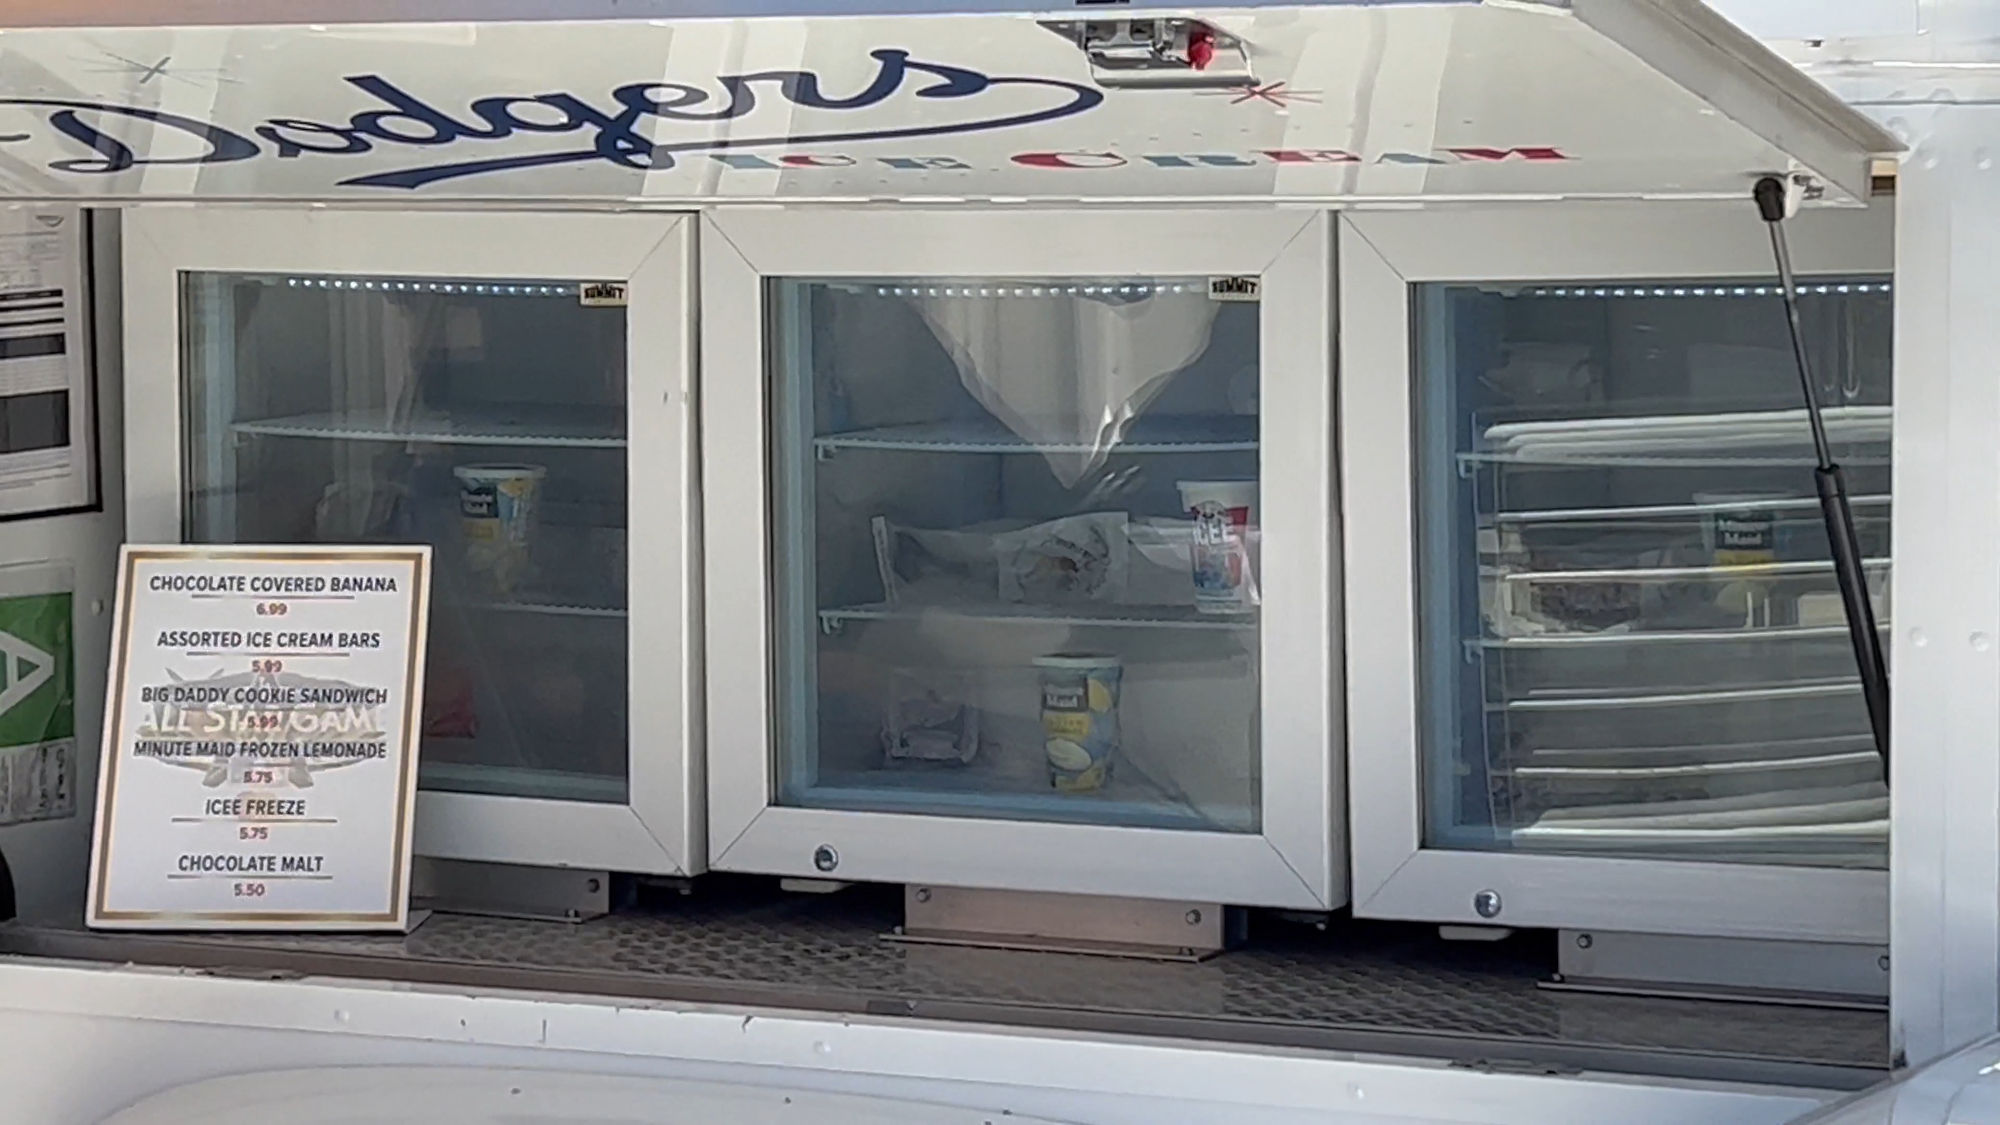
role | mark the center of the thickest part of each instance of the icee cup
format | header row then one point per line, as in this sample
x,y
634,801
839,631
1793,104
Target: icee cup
x,y
1079,718
496,508
1219,553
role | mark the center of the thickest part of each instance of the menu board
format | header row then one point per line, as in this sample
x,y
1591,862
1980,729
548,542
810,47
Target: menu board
x,y
260,756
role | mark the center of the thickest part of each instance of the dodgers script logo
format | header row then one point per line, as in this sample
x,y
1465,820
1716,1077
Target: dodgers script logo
x,y
611,134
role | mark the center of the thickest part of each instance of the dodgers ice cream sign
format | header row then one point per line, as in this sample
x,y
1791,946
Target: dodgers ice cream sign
x,y
653,127
630,128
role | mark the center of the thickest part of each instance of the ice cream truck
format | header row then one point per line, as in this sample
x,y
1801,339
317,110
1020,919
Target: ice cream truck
x,y
1351,560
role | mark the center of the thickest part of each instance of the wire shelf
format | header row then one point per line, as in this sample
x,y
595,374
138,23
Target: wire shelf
x,y
1470,462
1622,700
534,427
1807,505
553,609
1778,634
1730,573
1116,616
1227,433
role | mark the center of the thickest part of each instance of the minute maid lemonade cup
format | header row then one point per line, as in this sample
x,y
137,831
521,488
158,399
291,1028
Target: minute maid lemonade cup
x,y
1740,529
496,505
1079,718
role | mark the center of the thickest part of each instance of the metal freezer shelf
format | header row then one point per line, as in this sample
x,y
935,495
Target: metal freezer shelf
x,y
1732,440
1762,693
1677,573
1845,425
1641,512
1694,769
564,427
1805,809
1700,753
516,781
1777,634
1225,433
553,609
1468,463
1129,800
1836,834
1115,616
1852,834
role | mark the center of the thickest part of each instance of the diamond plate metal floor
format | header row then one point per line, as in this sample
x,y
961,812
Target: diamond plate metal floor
x,y
1358,987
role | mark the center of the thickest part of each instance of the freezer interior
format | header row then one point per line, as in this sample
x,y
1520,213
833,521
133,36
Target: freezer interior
x,y
484,417
1631,639
993,501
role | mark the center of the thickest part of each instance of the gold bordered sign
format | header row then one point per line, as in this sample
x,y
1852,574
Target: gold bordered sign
x,y
260,739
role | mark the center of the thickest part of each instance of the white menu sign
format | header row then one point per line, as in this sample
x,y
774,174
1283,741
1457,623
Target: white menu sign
x,y
260,739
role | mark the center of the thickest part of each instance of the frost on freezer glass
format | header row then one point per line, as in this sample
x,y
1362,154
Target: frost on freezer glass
x,y
485,417
1017,549
1632,641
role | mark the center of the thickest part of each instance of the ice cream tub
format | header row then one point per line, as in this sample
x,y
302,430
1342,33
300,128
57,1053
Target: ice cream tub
x,y
1079,718
496,508
1219,554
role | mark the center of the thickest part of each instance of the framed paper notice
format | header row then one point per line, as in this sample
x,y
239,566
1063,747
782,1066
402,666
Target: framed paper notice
x,y
48,409
260,739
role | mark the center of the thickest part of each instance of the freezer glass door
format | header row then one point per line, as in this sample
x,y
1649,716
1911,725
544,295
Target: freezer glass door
x,y
1016,547
484,416
1631,641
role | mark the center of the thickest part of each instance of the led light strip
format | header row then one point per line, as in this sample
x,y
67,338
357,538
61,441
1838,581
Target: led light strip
x,y
488,289
1120,290
1840,289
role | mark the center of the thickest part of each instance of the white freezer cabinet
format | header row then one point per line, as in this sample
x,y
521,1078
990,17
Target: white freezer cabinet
x,y
1022,550
1005,588
1611,682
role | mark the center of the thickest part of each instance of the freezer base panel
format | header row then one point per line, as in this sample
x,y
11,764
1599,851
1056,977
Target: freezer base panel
x,y
1373,988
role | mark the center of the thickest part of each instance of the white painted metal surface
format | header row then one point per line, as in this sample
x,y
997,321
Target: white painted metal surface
x,y
1395,874
1962,1088
1945,801
1356,102
660,830
1296,859
399,1095
85,1041
1935,87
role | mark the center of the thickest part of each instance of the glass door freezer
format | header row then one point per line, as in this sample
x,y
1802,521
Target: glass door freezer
x,y
1020,556
1600,673
511,389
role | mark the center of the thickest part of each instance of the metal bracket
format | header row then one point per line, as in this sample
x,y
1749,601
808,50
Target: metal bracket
x,y
504,890
1800,188
1051,923
1821,974
1166,53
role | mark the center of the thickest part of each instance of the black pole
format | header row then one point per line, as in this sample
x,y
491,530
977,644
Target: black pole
x,y
1841,537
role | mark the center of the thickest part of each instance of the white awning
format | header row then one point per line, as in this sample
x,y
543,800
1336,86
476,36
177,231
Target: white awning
x,y
1338,103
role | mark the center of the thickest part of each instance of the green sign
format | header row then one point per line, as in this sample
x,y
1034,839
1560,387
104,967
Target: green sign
x,y
37,708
